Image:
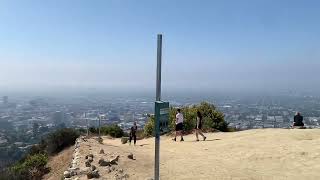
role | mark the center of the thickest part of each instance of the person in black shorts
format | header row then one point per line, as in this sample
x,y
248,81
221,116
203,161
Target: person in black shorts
x,y
133,135
199,126
179,125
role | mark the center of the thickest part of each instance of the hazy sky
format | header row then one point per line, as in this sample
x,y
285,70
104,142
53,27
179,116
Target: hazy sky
x,y
225,45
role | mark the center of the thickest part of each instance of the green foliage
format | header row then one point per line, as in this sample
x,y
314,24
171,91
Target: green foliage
x,y
36,161
111,130
38,148
212,118
93,130
33,167
149,127
60,139
82,131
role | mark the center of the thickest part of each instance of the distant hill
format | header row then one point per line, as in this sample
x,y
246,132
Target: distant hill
x,y
251,154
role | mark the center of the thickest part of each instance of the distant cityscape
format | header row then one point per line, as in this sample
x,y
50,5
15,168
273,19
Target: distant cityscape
x,y
24,120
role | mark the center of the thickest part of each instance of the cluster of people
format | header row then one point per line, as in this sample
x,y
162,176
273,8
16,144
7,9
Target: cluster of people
x,y
298,122
179,126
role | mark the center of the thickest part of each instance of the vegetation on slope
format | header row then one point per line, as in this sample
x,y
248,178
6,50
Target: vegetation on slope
x,y
33,165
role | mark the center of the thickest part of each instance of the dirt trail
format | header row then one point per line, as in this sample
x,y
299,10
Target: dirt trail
x,y
253,154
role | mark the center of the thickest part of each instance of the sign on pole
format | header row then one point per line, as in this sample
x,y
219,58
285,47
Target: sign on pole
x,y
162,116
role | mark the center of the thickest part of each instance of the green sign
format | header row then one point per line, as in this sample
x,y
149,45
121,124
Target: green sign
x,y
161,116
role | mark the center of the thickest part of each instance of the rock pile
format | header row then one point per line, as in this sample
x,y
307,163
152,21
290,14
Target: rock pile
x,y
74,167
101,165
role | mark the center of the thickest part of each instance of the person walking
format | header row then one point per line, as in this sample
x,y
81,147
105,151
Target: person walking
x,y
199,126
133,135
179,125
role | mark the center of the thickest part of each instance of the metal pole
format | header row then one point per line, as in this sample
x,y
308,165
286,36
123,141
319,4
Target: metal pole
x,y
85,116
158,98
99,125
159,54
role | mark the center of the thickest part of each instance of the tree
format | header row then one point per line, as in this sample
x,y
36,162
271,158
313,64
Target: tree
x,y
212,118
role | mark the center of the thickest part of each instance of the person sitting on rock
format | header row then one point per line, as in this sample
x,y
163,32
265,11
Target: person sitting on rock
x,y
298,120
133,135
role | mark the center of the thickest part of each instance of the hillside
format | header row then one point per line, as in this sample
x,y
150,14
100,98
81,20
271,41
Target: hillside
x,y
252,154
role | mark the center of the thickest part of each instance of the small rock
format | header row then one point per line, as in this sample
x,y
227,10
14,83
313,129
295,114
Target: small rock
x,y
126,176
93,174
66,174
84,170
89,155
100,140
90,159
73,173
88,164
108,169
102,162
116,176
114,160
113,168
74,169
101,151
130,156
120,170
124,140
93,167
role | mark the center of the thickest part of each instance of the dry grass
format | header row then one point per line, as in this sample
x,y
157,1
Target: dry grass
x,y
59,163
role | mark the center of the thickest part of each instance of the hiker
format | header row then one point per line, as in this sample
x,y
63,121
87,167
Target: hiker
x,y
133,135
298,120
199,126
179,125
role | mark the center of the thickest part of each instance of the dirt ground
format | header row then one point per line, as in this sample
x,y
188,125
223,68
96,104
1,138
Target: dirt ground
x,y
252,154
58,164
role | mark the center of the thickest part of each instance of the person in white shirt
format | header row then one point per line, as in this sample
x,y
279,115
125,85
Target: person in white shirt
x,y
179,125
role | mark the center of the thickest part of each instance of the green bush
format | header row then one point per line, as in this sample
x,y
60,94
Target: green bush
x,y
93,130
212,118
148,129
60,139
33,167
112,130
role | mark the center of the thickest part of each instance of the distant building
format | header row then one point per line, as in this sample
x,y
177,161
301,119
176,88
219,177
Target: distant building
x,y
279,119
